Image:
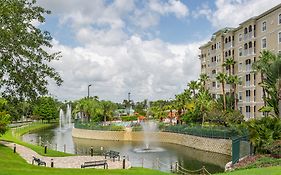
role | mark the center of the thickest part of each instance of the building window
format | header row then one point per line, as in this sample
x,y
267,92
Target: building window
x,y
254,95
240,96
279,37
240,52
240,37
248,79
248,111
263,43
248,95
241,109
240,67
263,26
214,84
279,18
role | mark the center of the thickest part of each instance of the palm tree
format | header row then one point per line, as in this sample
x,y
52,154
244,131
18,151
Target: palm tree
x,y
234,80
221,77
193,86
204,102
203,78
262,66
229,63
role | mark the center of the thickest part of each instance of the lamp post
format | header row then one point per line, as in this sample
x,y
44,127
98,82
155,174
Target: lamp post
x,y
129,104
89,90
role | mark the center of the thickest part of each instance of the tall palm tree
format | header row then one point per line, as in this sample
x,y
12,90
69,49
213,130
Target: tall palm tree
x,y
262,66
229,63
204,102
221,77
234,80
193,86
203,78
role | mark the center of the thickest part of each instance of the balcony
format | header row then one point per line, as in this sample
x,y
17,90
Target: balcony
x,y
245,52
248,83
245,37
250,35
213,64
248,98
228,45
213,52
248,67
248,115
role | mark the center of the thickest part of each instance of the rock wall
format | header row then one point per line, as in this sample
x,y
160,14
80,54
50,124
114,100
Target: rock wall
x,y
222,146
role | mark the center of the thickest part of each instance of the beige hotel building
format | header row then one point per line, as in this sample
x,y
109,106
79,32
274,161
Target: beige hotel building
x,y
244,44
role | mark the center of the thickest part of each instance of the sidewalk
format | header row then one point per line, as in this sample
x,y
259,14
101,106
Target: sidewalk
x,y
64,162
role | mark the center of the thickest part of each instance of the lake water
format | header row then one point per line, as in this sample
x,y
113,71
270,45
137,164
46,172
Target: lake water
x,y
188,158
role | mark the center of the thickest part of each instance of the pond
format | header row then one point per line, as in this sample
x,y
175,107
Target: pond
x,y
189,158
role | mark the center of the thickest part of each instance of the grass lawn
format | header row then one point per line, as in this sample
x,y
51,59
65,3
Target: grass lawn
x,y
13,164
276,170
13,135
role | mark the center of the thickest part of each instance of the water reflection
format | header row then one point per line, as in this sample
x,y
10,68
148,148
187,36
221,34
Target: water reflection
x,y
189,158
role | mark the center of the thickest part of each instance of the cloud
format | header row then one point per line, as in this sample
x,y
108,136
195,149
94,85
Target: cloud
x,y
115,53
149,69
230,13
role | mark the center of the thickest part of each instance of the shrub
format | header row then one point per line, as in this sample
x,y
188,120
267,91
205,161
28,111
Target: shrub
x,y
129,118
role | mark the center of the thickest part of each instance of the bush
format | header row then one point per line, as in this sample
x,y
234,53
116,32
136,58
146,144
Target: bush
x,y
274,149
129,118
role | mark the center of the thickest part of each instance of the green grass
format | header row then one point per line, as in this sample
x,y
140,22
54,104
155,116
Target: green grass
x,y
13,164
275,170
13,135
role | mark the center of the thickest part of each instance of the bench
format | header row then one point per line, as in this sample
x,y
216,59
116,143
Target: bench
x,y
112,154
95,163
38,161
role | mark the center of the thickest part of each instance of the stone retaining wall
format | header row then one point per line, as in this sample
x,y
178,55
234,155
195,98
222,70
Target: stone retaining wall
x,y
222,146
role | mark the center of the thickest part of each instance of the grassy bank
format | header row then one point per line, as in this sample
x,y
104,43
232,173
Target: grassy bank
x,y
13,135
275,170
13,164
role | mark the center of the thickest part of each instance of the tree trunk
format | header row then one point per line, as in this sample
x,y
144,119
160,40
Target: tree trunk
x,y
235,99
223,94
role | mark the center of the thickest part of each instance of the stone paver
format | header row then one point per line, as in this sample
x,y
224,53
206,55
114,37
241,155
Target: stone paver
x,y
65,162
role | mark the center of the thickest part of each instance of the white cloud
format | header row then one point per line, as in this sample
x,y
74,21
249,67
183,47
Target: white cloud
x,y
230,13
115,61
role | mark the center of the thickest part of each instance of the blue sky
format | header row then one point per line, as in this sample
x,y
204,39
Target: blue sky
x,y
147,47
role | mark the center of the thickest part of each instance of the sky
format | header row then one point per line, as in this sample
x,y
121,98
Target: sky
x,y
149,48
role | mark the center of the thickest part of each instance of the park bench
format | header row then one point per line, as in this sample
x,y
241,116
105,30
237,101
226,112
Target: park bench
x,y
112,154
95,163
38,161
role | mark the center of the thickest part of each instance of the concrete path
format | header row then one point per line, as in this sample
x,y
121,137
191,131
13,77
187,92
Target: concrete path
x,y
64,162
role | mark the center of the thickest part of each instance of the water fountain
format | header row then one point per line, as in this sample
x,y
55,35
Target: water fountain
x,y
148,128
65,118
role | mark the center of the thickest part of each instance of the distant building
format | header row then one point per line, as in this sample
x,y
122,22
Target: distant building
x,y
244,44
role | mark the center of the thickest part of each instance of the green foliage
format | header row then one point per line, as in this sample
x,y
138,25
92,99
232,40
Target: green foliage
x,y
46,108
211,132
24,58
129,118
274,148
98,126
263,162
4,117
263,132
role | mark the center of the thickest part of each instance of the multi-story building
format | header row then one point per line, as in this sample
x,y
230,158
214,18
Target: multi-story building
x,y
244,45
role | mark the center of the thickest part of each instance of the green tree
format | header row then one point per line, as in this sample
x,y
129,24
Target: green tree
x,y
193,86
229,64
46,108
4,117
203,78
204,102
233,80
221,77
24,59
108,109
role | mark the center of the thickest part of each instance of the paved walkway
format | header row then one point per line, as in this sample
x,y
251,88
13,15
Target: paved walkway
x,y
65,162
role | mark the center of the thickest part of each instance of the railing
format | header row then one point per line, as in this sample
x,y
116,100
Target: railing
x,y
97,126
213,132
228,45
248,83
248,67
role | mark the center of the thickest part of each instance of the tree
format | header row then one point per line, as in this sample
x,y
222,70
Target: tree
x,y
108,109
229,63
204,103
4,117
233,81
46,108
193,86
221,77
24,58
203,78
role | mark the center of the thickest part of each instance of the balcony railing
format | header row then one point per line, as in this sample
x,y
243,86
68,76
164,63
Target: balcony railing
x,y
248,114
228,45
245,52
248,67
250,35
245,37
248,98
247,84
